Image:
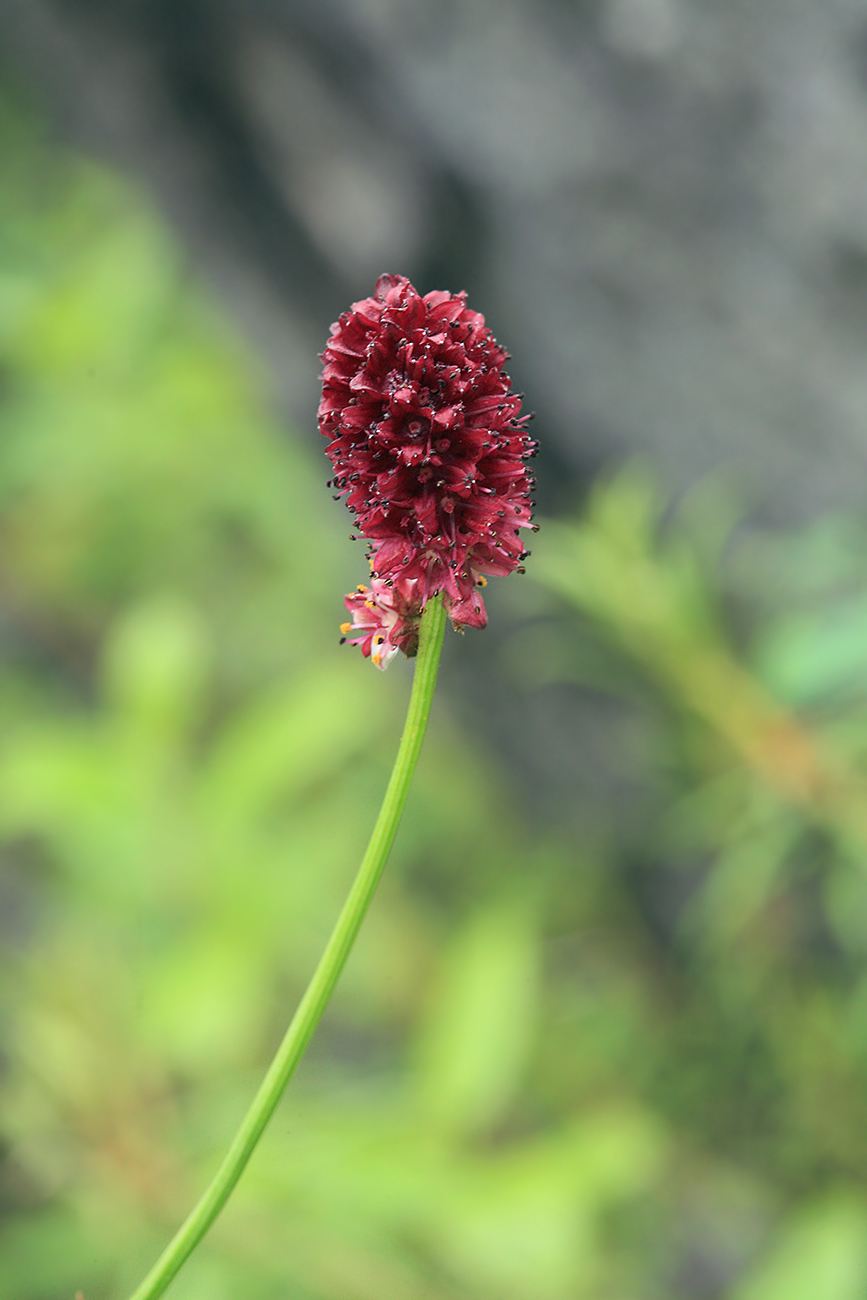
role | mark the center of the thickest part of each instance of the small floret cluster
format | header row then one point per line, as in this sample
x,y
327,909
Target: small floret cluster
x,y
429,449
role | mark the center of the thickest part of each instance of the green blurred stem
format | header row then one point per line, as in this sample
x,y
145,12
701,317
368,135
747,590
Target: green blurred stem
x,y
327,973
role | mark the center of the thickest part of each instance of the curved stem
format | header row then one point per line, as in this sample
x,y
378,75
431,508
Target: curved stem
x,y
327,973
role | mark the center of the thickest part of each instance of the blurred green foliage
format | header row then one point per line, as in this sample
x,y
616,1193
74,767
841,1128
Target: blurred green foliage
x,y
618,1064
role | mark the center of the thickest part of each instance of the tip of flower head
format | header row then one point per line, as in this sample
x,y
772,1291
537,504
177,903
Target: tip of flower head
x,y
430,451
387,282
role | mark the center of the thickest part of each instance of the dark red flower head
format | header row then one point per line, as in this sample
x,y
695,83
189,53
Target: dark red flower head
x,y
427,444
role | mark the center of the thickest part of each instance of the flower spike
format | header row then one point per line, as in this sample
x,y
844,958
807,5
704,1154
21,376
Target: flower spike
x,y
429,449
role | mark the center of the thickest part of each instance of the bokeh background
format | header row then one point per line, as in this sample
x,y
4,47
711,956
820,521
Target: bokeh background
x,y
604,1036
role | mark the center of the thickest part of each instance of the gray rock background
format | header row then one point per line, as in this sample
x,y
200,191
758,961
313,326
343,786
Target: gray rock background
x,y
660,205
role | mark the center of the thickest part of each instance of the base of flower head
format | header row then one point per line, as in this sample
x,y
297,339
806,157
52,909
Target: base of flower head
x,y
386,614
383,622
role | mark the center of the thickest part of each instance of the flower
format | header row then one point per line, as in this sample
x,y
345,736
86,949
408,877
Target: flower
x,y
383,622
429,449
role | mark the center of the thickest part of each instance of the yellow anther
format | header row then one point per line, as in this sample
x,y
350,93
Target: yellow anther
x,y
345,627
368,604
482,580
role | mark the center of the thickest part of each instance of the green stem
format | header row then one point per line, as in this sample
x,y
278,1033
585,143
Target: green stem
x,y
327,973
